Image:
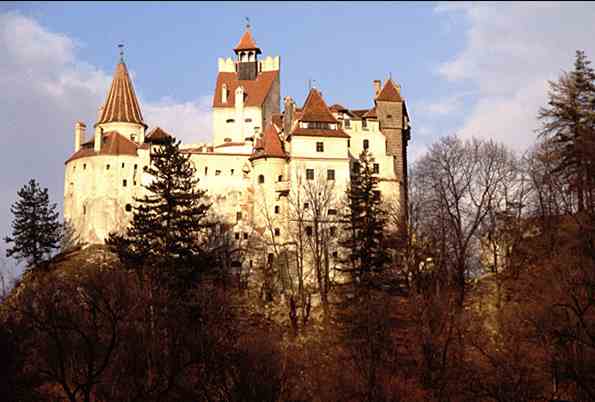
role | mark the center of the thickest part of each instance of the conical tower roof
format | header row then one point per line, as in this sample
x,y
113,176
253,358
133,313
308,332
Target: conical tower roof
x,y
390,92
121,104
247,42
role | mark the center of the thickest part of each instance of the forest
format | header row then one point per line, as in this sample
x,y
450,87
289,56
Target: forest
x,y
482,290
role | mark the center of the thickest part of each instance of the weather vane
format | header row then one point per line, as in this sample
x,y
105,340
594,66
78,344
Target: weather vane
x,y
121,46
247,22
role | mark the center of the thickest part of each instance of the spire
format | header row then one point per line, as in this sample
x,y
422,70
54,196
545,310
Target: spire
x,y
121,104
247,41
315,109
390,92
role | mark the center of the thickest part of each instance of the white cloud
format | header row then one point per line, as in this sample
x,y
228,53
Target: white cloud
x,y
45,89
511,52
445,106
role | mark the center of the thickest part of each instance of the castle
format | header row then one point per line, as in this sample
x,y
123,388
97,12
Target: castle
x,y
259,157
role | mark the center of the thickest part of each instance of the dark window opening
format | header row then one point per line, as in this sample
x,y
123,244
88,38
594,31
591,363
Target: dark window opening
x,y
364,124
309,174
128,207
245,236
333,231
376,168
107,167
309,230
306,205
277,232
270,258
330,174
122,165
261,179
277,209
332,212
230,121
237,236
124,183
217,172
238,216
248,120
281,178
206,170
84,166
335,254
319,147
366,144
232,170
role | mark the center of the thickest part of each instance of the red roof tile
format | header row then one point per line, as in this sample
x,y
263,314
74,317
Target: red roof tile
x,y
121,104
157,135
270,146
316,110
371,114
389,92
256,90
319,132
247,42
113,143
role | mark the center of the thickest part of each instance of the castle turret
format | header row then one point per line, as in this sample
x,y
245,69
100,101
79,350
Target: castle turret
x,y
121,111
247,56
79,135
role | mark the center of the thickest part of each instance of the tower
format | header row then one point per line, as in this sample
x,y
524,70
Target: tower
x,y
394,124
246,95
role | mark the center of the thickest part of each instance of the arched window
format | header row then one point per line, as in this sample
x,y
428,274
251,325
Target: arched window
x,y
261,179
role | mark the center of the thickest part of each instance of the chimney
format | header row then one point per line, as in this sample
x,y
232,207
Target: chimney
x,y
98,138
377,86
289,106
79,135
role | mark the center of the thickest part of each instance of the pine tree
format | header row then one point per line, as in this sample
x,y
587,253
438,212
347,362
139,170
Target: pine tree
x,y
568,124
36,231
365,225
165,234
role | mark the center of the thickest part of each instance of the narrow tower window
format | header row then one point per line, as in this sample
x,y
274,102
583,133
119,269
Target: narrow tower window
x,y
366,144
261,179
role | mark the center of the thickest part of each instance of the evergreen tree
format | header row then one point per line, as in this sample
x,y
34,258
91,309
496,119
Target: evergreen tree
x,y
568,123
36,231
366,219
167,226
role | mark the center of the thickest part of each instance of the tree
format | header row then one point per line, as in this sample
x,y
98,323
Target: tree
x,y
36,231
365,222
165,236
568,124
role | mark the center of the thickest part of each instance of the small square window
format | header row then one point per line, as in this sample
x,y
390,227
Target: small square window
x,y
332,211
238,216
217,172
237,235
366,144
261,179
245,236
330,174
306,205
309,174
280,178
124,183
319,147
376,168
122,164
277,232
309,230
128,207
107,167
206,170
232,170
277,209
84,166
335,254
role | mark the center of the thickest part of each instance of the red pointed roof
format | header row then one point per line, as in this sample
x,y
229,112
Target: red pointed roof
x,y
389,92
247,42
270,146
157,135
316,110
121,104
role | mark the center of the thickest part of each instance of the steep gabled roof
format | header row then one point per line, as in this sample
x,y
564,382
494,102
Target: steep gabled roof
x,y
270,146
389,92
157,135
316,110
112,143
256,91
247,42
121,104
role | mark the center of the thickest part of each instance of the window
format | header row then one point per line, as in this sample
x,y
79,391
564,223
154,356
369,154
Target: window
x,y
270,258
248,120
309,174
319,147
217,172
389,116
128,207
333,231
335,254
347,123
231,171
355,167
377,194
230,121
84,166
332,211
364,124
277,209
348,143
330,174
309,230
319,124
238,216
206,170
84,210
245,235
277,232
366,144
376,168
124,183
280,178
237,235
261,179
306,205
122,165
135,166
134,182
107,167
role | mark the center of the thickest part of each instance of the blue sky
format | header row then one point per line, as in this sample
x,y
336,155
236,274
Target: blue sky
x,y
472,69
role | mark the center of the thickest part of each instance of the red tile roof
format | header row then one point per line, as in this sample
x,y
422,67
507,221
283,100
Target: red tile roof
x,y
337,108
247,42
112,143
277,119
270,146
121,104
157,135
316,110
371,114
256,90
319,132
389,92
